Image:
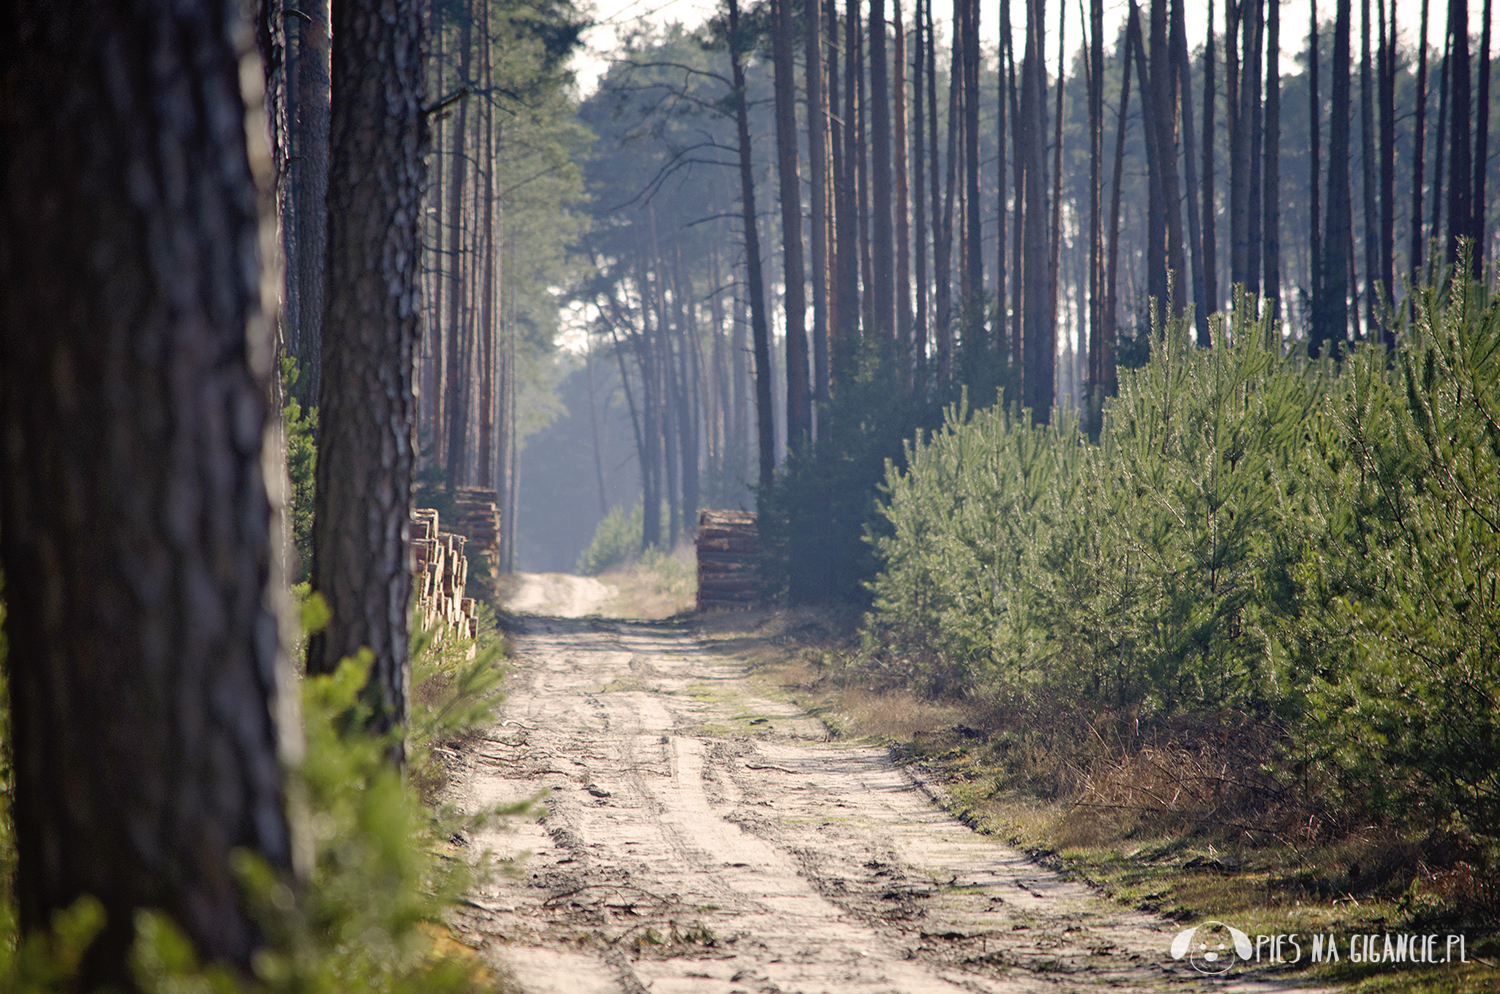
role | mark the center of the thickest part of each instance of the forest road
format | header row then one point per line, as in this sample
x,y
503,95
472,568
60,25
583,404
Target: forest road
x,y
699,838
559,594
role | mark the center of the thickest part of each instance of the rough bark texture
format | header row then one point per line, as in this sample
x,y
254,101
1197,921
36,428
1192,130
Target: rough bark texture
x,y
1271,223
1209,230
378,140
1315,169
1460,151
137,532
1419,152
455,373
1039,341
765,422
1331,312
308,182
817,144
1367,166
882,239
798,397
1481,138
902,212
974,242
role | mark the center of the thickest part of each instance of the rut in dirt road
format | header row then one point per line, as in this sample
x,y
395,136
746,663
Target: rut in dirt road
x,y
700,839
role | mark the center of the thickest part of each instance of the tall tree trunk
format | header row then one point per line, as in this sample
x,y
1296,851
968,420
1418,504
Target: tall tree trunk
x,y
1437,151
1416,244
1183,74
1039,342
882,241
1018,222
798,396
1460,151
919,204
973,325
1239,147
1003,354
817,156
454,375
846,330
1210,234
361,522
765,424
1106,375
1386,71
940,239
1055,234
488,463
151,702
1331,319
1271,201
1161,153
943,252
308,183
1097,296
1367,168
1481,142
903,213
1315,168
1250,97
868,293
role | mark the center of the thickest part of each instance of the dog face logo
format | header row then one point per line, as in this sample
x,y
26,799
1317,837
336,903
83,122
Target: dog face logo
x,y
1211,947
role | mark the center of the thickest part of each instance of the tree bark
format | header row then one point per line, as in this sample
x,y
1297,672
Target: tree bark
x,y
1481,142
1437,151
973,327
882,241
1419,153
798,396
1315,168
1250,97
308,181
1460,149
1004,355
942,251
817,145
151,701
1239,147
1182,73
1367,168
454,373
1331,318
1039,342
1055,235
1096,217
1210,234
765,422
902,206
1271,201
1386,70
1107,376
919,204
377,169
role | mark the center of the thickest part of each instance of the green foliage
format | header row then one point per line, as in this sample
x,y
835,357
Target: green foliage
x,y
369,917
1315,546
301,427
618,539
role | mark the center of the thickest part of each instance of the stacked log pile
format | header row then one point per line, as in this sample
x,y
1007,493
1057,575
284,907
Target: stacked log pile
x,y
477,518
728,560
442,571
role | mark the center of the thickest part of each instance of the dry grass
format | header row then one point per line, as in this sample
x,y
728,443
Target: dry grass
x,y
1190,817
654,586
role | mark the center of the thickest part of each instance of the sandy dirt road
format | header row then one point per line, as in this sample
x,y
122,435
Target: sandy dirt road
x,y
698,838
559,595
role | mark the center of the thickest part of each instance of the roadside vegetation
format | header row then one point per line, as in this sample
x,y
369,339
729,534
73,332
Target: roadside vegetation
x,y
384,866
1236,657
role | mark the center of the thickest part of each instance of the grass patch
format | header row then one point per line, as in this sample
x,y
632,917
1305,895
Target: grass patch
x,y
1189,820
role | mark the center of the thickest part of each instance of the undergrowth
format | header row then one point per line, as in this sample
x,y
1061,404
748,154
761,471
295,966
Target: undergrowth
x,y
369,918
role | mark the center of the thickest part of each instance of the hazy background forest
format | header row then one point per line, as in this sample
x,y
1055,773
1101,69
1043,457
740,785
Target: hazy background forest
x,y
615,231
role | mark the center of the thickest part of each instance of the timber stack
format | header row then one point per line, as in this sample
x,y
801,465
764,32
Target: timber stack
x,y
442,571
728,560
477,517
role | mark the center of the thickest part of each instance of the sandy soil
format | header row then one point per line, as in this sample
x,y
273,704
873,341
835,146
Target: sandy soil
x,y
558,595
700,839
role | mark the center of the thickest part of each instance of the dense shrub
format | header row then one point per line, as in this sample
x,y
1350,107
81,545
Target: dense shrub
x,y
1307,543
618,539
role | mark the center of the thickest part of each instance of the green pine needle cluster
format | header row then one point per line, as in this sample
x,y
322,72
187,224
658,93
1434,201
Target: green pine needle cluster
x,y
1311,544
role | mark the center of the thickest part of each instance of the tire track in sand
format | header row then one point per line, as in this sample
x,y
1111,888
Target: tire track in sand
x,y
700,839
